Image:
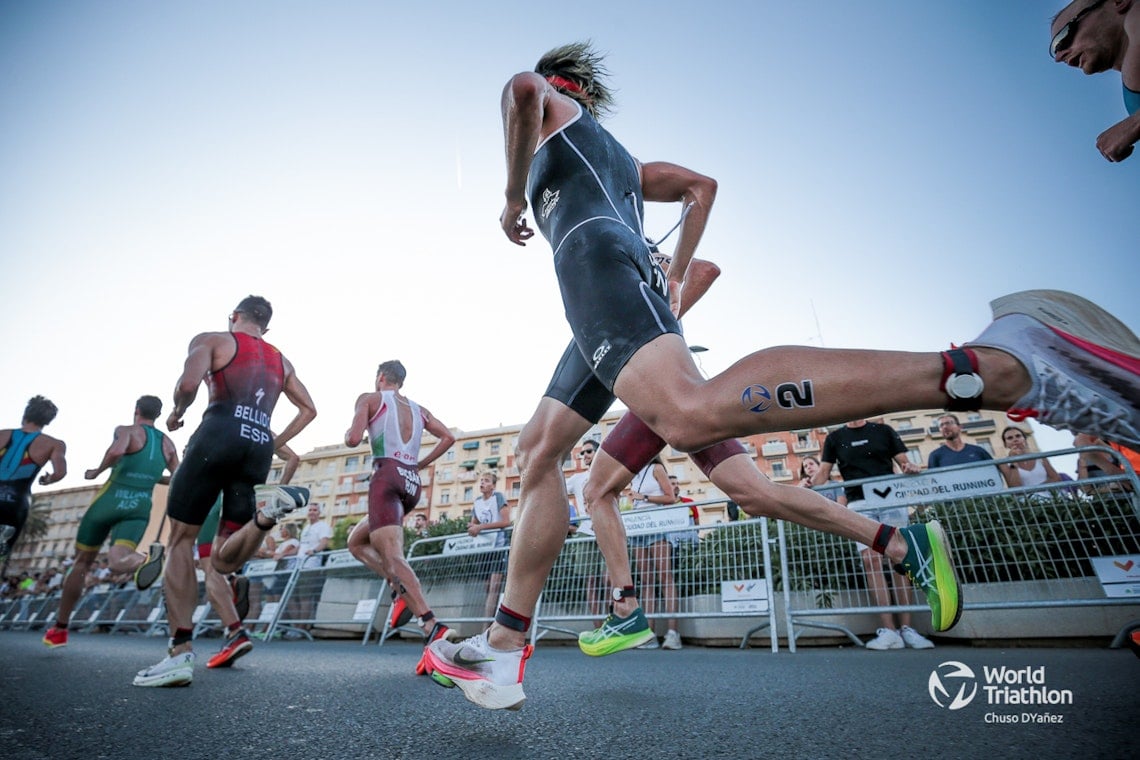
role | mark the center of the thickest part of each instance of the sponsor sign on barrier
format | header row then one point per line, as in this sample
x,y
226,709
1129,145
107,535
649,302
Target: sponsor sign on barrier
x,y
1119,576
749,595
365,609
469,544
933,484
638,521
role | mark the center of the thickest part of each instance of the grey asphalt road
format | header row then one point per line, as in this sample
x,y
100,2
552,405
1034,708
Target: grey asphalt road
x,y
341,700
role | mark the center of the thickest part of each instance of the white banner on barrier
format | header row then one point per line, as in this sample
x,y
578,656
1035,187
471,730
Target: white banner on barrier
x,y
365,609
268,610
341,558
468,544
640,521
260,567
1119,576
744,596
908,489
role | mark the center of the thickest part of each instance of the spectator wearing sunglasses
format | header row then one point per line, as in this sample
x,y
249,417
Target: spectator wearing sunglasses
x,y
1095,36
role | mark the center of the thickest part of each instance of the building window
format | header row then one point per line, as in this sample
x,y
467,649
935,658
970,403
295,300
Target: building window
x,y
468,493
445,497
351,463
516,489
914,456
904,423
985,444
494,448
780,468
449,456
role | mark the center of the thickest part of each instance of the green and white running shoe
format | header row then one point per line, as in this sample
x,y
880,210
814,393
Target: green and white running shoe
x,y
929,566
616,634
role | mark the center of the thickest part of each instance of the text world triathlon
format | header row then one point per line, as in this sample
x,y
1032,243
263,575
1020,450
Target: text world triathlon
x,y
1022,686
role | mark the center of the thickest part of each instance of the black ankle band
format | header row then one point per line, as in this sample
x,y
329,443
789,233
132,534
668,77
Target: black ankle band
x,y
508,618
882,538
427,617
181,636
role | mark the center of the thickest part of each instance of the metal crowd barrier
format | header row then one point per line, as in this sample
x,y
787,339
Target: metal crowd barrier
x,y
719,571
1015,549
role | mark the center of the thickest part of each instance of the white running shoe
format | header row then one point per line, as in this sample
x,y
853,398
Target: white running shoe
x,y
914,639
651,644
672,640
176,670
489,677
1083,362
887,639
274,502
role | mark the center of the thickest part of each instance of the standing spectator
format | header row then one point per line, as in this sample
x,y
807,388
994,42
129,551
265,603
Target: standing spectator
x,y
1096,464
653,553
809,466
864,449
420,526
954,450
491,512
587,559
23,451
139,457
1028,472
1095,36
315,537
576,483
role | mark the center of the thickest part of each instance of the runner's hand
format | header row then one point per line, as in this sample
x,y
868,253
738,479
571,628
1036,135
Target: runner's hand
x,y
513,221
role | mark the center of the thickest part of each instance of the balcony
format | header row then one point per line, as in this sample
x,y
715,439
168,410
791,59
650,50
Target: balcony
x,y
979,426
912,433
774,449
805,447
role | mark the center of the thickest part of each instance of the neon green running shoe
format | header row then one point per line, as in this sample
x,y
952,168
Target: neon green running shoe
x,y
929,566
616,634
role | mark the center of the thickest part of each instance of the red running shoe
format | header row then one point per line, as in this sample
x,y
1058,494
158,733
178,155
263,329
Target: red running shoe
x,y
235,646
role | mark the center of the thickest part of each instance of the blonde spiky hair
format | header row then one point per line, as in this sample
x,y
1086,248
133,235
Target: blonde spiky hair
x,y
581,66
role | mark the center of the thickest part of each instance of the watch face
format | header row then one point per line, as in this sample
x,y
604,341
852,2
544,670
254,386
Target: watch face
x,y
617,594
965,386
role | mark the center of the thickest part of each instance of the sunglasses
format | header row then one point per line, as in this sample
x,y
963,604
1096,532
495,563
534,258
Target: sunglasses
x,y
585,452
1064,36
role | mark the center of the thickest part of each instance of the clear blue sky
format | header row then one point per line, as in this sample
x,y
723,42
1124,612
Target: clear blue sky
x,y
159,161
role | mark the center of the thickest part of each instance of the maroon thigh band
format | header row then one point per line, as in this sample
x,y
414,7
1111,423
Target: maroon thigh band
x,y
634,444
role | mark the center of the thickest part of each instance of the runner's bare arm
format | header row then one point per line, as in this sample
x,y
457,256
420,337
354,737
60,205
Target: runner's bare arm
x,y
668,183
523,103
440,431
114,452
363,412
299,397
199,360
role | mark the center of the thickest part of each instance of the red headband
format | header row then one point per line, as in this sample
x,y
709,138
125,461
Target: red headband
x,y
565,84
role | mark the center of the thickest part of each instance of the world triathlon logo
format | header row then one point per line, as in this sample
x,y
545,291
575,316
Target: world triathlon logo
x,y
952,678
756,398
